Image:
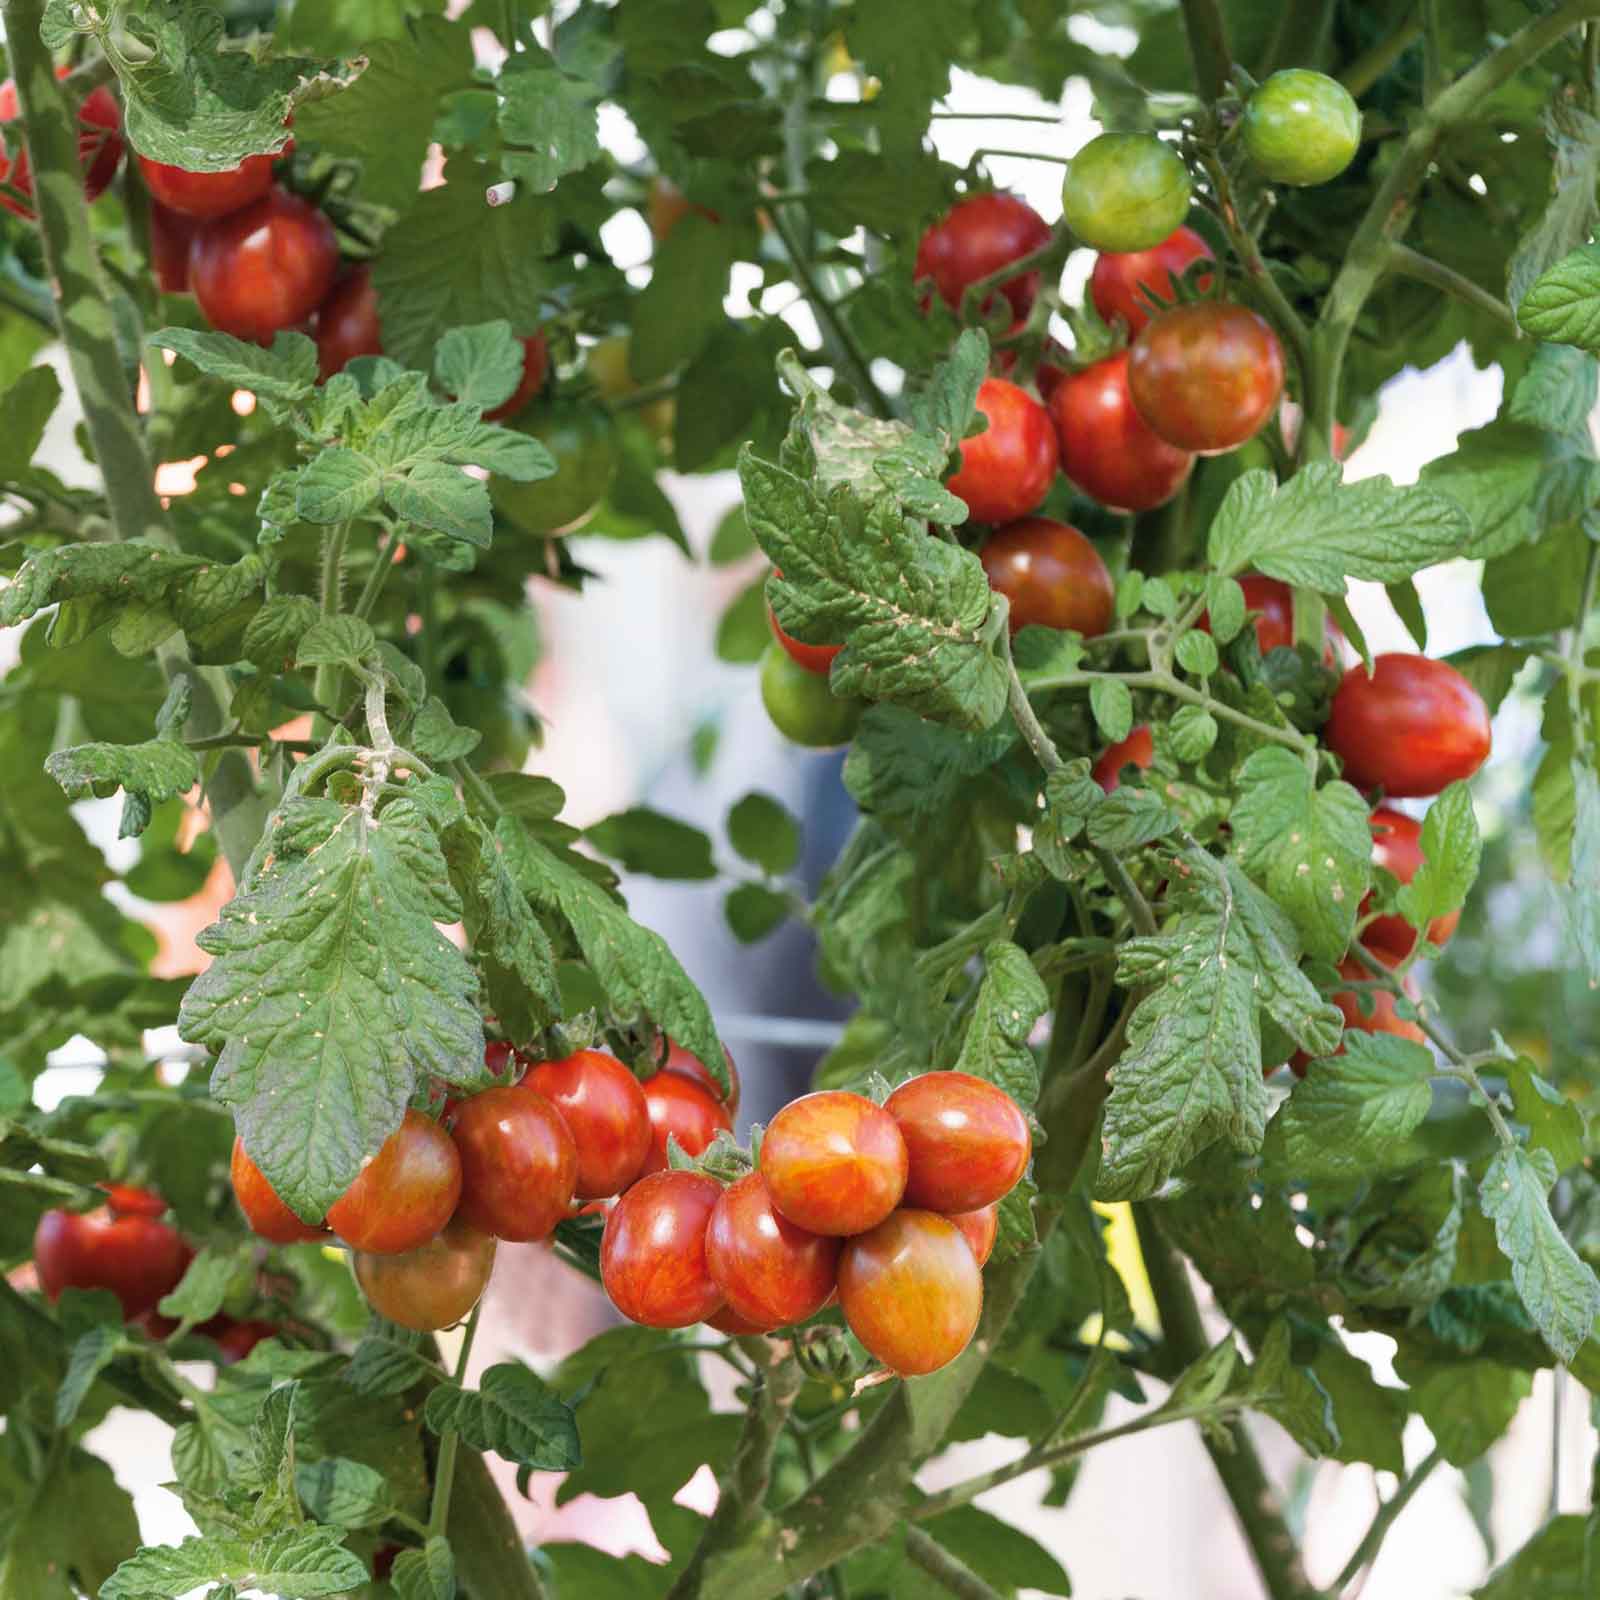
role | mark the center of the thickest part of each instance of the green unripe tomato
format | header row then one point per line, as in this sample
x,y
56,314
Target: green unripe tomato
x,y
1125,191
607,365
1301,127
580,437
802,706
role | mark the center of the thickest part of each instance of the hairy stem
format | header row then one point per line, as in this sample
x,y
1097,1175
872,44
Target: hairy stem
x,y
1255,1501
444,1471
1208,46
1411,263
1366,1552
952,1575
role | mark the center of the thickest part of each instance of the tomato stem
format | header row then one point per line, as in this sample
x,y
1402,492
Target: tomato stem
x,y
1371,64
1411,263
951,1573
450,1440
1366,1552
1208,46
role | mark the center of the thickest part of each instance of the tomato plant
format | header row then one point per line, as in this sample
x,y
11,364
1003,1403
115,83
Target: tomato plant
x,y
564,347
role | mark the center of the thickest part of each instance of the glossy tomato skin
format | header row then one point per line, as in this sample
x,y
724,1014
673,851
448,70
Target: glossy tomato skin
x,y
265,268
170,238
433,1286
583,442
1137,750
911,1291
802,706
1397,847
1206,376
236,1339
1414,726
1106,447
680,1061
604,1107
129,1200
347,323
1385,1018
268,1216
980,1229
834,1162
770,1272
405,1194
519,1163
1118,277
1051,574
99,145
137,1258
1301,127
979,236
680,1109
208,194
653,1252
727,1320
815,658
535,369
1125,191
967,1141
1008,469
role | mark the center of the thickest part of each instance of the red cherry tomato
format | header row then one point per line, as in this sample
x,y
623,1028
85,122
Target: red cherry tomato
x,y
1137,750
1273,603
834,1162
1397,847
405,1194
535,369
770,1272
1008,469
977,237
128,1200
433,1286
1384,1018
99,146
605,1109
1117,278
1206,376
668,205
503,1059
1107,448
237,1339
1413,726
136,1257
208,194
728,1321
1051,575
653,1252
347,323
817,658
680,1061
170,238
267,1215
980,1229
264,268
519,1163
680,1109
967,1140
911,1291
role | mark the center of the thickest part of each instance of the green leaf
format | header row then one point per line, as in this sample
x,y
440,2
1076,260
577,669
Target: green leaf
x,y
1580,894
1291,1395
1192,733
1554,1122
1309,848
1451,849
1553,1565
1111,701
733,540
425,1574
189,101
1226,609
92,1352
1491,669
635,967
302,1565
338,641
157,770
66,1529
1570,217
742,631
343,1493
753,911
213,1278
513,1413
1535,588
1559,389
280,378
763,832
437,737
385,118
551,114
131,570
1353,1113
1467,1405
1197,653
1368,1417
1007,1557
385,1366
1011,999
1315,531
480,366
1191,1071
1563,303
272,636
1129,818
681,306
25,411
336,486
332,992
653,843
1560,1292
918,614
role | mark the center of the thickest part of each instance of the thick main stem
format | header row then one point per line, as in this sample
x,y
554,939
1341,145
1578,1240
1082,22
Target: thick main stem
x,y
1255,1501
1208,46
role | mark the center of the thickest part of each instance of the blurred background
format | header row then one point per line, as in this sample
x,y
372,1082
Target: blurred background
x,y
638,708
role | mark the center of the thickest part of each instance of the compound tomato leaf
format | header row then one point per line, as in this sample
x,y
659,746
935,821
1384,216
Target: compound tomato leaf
x,y
1554,1122
1310,848
156,770
550,114
1563,303
425,1574
512,1412
280,377
307,1564
1291,1395
1011,999
1451,850
1559,1290
332,991
481,365
343,1493
1466,1404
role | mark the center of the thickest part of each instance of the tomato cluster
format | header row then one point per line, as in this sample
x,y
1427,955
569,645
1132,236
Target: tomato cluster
x,y
894,1208
126,1246
99,147
425,1213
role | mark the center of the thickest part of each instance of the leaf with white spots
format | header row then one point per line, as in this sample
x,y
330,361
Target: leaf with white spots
x,y
1011,998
